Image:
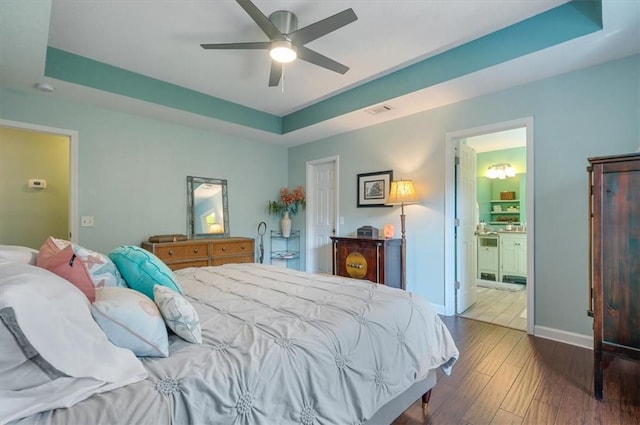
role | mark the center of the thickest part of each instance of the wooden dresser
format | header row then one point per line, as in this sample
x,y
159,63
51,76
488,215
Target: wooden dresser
x,y
377,260
615,260
203,252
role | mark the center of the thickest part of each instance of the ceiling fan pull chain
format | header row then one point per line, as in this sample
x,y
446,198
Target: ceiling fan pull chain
x,y
282,85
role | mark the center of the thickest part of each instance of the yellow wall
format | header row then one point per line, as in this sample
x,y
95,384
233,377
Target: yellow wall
x,y
28,216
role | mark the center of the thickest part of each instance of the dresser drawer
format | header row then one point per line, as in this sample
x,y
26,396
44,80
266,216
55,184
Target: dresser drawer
x,y
185,264
218,261
232,248
182,252
203,252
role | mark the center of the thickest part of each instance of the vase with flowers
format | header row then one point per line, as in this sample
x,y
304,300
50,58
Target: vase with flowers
x,y
290,202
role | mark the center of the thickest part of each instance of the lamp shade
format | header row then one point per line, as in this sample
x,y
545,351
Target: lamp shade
x,y
402,192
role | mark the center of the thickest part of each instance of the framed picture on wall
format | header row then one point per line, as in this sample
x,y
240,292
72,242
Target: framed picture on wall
x,y
373,188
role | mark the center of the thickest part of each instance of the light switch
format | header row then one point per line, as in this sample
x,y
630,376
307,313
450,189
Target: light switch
x,y
86,221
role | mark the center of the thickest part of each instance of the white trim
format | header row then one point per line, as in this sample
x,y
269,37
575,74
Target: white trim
x,y
451,140
310,189
579,340
73,166
439,308
449,225
531,278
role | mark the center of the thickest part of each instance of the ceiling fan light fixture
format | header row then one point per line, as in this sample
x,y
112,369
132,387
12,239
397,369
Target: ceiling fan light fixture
x,y
282,52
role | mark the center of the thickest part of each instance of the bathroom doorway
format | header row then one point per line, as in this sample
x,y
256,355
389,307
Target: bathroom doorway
x,y
500,213
493,273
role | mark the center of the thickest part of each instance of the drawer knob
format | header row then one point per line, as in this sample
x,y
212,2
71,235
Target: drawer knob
x,y
224,248
170,252
242,247
195,250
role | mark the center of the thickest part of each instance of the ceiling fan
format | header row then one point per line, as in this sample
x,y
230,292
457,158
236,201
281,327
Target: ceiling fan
x,y
286,41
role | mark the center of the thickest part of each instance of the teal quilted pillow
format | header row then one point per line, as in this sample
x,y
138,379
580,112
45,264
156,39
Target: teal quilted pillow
x,y
142,270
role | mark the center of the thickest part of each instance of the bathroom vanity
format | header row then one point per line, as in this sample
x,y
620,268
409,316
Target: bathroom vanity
x,y
502,256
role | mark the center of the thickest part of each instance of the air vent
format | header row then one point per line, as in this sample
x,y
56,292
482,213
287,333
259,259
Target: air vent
x,y
379,109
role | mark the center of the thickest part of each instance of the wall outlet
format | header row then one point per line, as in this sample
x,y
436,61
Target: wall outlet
x,y
86,221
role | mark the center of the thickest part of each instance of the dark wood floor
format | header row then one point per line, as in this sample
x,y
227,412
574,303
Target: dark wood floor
x,y
505,376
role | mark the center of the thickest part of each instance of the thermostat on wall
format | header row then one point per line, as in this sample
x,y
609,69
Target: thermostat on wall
x,y
37,183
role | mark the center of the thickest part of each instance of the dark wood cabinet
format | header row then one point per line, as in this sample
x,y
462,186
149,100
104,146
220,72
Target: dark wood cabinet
x,y
615,260
377,260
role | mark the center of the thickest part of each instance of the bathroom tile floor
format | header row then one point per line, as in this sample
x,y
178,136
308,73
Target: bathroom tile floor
x,y
506,308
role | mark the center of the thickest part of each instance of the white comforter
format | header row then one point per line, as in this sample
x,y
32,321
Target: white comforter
x,y
279,347
320,350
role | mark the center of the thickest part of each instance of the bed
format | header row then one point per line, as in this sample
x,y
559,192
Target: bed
x,y
278,347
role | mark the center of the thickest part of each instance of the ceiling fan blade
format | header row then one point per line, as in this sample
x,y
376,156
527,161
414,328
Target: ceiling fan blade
x,y
263,22
316,58
325,26
276,74
251,45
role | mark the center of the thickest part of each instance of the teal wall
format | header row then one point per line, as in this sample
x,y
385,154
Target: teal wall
x,y
132,173
577,115
132,170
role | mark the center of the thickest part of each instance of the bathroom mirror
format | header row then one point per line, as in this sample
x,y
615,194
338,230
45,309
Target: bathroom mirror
x,y
207,208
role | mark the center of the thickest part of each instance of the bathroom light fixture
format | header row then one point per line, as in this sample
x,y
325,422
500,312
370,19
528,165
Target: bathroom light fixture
x,y
282,51
402,192
501,171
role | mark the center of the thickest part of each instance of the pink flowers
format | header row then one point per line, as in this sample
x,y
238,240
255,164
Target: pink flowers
x,y
291,201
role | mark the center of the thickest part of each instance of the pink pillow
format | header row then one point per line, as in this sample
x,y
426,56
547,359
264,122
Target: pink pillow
x,y
67,265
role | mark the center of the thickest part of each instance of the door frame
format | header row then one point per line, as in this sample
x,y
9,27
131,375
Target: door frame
x,y
451,140
335,159
73,166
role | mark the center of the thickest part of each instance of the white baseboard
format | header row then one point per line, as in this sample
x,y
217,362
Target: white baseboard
x,y
439,308
584,341
571,338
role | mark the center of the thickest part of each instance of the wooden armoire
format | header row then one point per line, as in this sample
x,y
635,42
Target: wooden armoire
x,y
614,206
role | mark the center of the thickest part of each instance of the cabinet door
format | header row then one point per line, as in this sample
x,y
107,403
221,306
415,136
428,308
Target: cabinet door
x,y
487,260
360,259
620,263
522,256
513,255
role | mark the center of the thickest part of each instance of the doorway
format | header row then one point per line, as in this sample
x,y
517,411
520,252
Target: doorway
x,y
65,189
499,245
489,246
322,213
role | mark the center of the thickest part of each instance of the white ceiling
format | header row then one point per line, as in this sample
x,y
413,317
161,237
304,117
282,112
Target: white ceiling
x,y
507,139
161,39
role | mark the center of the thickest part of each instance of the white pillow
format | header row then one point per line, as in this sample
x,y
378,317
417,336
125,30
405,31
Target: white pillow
x,y
178,314
131,320
18,254
51,344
